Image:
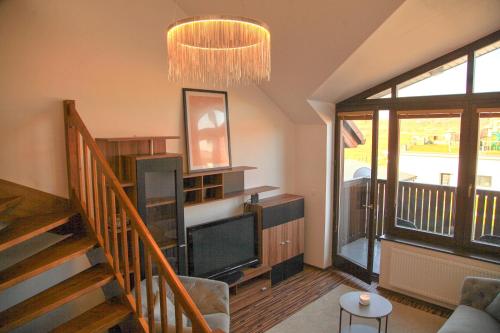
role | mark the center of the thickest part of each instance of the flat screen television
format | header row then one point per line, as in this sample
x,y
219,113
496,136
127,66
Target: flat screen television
x,y
221,247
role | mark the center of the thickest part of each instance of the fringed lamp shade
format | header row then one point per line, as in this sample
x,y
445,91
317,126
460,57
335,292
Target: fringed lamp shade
x,y
219,50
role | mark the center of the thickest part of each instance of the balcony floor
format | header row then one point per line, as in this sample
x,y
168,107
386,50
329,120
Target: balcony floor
x,y
357,252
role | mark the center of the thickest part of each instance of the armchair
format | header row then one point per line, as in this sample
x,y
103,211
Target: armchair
x,y
211,297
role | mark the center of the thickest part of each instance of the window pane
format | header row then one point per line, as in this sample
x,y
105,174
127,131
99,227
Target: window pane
x,y
447,79
356,156
428,170
486,217
487,68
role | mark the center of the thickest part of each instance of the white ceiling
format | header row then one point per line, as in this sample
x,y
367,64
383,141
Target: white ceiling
x,y
330,49
309,40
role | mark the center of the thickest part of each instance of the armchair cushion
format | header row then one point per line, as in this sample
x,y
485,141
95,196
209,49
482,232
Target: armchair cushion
x,y
209,295
479,292
494,308
156,294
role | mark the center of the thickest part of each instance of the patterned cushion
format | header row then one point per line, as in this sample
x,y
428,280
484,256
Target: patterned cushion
x,y
479,292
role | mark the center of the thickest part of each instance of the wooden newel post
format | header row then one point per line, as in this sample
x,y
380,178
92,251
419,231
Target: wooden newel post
x,y
71,151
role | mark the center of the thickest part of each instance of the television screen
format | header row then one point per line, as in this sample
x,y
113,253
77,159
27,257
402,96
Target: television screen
x,y
220,246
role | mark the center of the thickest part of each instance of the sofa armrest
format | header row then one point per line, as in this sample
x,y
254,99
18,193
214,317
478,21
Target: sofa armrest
x,y
478,292
209,295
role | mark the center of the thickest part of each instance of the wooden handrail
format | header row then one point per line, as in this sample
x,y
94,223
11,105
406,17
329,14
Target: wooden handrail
x,y
97,193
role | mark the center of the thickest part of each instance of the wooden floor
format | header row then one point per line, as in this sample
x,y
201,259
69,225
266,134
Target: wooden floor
x,y
295,293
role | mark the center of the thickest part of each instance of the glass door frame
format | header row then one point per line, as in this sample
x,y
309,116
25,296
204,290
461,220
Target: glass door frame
x,y
470,178
349,266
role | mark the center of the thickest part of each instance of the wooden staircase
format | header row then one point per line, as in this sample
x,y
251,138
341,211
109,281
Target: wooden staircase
x,y
98,207
98,319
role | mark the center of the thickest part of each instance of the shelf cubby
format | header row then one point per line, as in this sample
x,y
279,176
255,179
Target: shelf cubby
x,y
193,197
209,186
213,193
192,183
212,180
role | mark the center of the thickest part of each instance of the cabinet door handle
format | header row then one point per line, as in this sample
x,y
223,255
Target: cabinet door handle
x,y
282,243
263,289
287,241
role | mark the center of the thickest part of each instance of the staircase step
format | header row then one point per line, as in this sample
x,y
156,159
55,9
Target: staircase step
x,y
8,202
98,319
44,260
28,227
52,298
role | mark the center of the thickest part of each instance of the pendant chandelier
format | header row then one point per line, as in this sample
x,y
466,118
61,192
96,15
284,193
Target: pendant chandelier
x,y
219,50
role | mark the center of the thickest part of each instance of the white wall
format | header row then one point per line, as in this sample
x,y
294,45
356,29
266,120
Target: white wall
x,y
110,56
314,180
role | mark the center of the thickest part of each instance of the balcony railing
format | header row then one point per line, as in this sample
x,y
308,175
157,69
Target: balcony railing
x,y
424,207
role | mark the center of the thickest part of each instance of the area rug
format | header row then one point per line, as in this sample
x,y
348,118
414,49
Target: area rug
x,y
322,315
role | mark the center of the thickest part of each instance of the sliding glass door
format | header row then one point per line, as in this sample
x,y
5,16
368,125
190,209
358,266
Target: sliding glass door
x,y
360,184
483,193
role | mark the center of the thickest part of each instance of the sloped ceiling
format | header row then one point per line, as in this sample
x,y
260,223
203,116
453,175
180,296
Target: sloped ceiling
x,y
418,32
309,40
328,50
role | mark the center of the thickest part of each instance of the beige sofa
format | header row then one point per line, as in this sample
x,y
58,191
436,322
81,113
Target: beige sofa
x,y
469,316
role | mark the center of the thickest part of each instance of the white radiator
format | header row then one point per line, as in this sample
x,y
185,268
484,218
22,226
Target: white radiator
x,y
429,274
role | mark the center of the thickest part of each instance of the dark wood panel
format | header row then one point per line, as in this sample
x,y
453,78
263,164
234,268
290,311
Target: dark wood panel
x,y
282,213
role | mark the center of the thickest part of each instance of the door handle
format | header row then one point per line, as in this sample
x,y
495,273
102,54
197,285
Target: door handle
x,y
287,241
282,243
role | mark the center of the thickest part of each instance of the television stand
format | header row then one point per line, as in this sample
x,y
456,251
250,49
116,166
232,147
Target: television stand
x,y
254,284
230,277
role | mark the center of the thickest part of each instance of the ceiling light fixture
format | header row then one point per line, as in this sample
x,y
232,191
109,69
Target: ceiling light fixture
x,y
219,50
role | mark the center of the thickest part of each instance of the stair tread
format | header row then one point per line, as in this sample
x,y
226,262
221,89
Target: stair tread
x,y
46,259
28,227
7,202
49,299
98,319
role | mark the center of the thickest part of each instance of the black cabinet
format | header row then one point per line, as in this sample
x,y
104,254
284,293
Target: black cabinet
x,y
287,268
159,201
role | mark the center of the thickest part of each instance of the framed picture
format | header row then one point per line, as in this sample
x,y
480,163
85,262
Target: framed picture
x,y
207,129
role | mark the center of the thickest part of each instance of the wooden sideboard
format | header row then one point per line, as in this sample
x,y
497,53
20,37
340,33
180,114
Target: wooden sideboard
x,y
281,234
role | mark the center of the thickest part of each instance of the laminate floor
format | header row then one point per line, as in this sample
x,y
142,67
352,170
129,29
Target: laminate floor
x,y
292,295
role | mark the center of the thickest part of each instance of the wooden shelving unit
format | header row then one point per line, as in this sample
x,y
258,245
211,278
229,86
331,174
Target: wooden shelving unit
x,y
152,178
210,186
114,149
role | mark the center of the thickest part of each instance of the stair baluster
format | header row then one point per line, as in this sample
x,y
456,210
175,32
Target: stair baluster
x,y
91,183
